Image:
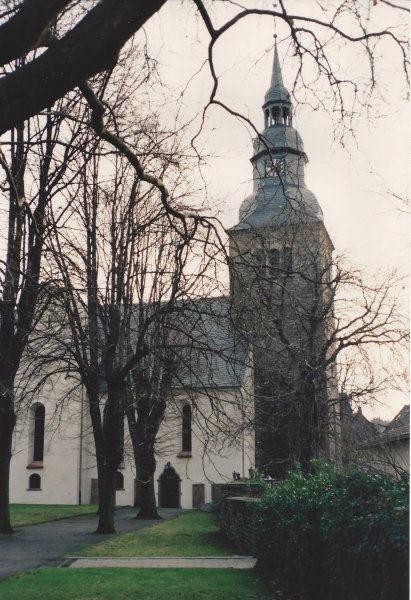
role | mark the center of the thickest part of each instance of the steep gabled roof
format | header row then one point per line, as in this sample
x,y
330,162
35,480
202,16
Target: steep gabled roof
x,y
215,355
399,428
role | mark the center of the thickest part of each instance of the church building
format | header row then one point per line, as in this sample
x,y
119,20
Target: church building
x,y
276,386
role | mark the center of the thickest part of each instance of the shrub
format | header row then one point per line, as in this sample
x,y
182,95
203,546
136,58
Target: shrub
x,y
336,535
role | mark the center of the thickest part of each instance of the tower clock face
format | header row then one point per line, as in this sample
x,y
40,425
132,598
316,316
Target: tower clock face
x,y
273,168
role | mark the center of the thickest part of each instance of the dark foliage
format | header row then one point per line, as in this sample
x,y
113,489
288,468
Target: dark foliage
x,y
334,534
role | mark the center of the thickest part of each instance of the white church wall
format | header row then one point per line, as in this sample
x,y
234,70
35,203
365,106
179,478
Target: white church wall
x,y
60,466
215,454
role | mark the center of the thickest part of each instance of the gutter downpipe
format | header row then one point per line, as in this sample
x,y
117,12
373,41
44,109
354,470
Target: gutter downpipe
x,y
242,436
81,446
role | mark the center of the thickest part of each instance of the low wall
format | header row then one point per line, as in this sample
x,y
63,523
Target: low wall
x,y
243,488
237,519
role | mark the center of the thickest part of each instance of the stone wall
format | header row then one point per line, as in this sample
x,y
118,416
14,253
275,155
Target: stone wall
x,y
237,518
237,513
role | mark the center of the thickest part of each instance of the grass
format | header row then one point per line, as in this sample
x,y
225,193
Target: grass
x,y
191,534
30,514
133,584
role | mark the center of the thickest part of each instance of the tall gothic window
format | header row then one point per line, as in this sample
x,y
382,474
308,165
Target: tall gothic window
x,y
186,428
38,445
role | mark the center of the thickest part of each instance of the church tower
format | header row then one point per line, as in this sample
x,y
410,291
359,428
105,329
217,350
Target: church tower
x,y
281,289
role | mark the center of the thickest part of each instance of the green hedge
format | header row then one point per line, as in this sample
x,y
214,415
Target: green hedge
x,y
334,535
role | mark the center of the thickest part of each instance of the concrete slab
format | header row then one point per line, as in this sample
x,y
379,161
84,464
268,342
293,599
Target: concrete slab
x,y
165,562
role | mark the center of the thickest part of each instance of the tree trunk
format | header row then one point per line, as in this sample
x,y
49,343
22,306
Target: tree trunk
x,y
143,440
138,499
7,423
145,476
107,499
145,470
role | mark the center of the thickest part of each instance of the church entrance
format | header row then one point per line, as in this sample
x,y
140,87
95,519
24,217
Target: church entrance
x,y
169,488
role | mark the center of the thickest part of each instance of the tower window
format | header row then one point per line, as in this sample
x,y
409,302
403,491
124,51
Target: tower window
x,y
287,259
186,428
259,258
276,115
286,115
274,258
34,482
38,446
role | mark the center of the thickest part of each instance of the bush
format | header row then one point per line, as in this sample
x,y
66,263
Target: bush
x,y
335,535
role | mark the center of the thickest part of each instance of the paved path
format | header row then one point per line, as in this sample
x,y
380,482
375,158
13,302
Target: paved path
x,y
165,562
47,544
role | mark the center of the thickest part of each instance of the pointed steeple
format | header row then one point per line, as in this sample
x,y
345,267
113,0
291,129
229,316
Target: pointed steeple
x,y
280,194
277,91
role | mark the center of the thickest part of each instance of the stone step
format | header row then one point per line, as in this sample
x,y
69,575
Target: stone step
x,y
163,562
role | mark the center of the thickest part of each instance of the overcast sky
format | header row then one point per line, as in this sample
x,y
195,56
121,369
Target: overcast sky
x,y
353,182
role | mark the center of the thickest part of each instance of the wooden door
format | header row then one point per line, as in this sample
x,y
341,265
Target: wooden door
x,y
94,491
169,488
198,495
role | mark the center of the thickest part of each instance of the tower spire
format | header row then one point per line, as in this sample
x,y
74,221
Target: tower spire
x,y
277,91
276,77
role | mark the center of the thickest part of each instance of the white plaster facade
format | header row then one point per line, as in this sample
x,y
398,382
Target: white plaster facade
x,y
69,466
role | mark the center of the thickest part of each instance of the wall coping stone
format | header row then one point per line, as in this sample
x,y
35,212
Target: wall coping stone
x,y
243,499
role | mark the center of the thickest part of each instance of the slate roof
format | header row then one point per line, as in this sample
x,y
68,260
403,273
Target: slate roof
x,y
272,202
399,428
279,205
211,354
216,356
277,91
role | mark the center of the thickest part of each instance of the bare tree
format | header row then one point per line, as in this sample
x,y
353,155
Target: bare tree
x,y
91,35
36,164
113,248
318,323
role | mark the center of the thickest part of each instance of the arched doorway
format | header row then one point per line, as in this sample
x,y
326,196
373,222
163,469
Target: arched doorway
x,y
169,488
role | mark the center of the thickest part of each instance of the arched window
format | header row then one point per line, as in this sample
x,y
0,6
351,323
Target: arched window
x,y
119,481
276,115
186,428
34,482
38,445
267,115
286,114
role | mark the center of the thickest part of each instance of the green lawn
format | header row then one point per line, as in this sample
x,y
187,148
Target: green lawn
x,y
133,584
191,534
29,514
